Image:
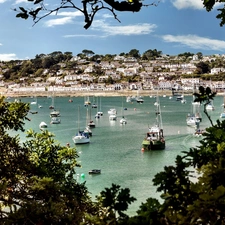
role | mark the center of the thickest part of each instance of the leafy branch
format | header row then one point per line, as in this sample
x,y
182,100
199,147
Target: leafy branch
x,y
205,96
89,9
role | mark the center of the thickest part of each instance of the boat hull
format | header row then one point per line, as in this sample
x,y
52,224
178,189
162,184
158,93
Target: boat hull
x,y
153,145
81,140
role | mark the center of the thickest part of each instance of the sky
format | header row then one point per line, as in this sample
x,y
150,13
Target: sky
x,y
172,27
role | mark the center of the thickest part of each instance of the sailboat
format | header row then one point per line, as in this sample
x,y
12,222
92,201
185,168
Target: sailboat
x,y
139,98
87,101
87,129
81,137
100,113
195,115
154,139
123,121
91,122
210,106
54,113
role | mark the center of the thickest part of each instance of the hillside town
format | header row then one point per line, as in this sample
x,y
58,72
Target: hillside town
x,y
120,73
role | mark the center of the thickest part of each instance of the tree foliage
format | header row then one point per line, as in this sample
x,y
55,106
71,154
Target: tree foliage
x,y
37,177
88,8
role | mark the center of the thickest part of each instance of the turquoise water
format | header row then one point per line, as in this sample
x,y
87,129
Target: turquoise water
x,y
116,148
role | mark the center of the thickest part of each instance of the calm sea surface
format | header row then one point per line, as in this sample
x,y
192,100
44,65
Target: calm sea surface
x,y
116,148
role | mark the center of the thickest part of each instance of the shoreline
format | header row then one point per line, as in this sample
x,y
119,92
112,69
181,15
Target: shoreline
x,y
98,93
115,93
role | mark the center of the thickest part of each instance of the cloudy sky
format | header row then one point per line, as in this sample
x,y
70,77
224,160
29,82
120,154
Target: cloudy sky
x,y
173,27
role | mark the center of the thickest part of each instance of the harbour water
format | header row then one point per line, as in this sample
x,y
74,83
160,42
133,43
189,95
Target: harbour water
x,y
116,148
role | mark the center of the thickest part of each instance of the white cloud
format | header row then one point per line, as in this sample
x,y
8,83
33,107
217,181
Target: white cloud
x,y
79,35
134,29
191,4
70,14
59,21
20,1
196,42
8,57
182,4
67,17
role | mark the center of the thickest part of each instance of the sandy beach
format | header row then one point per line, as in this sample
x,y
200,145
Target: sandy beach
x,y
7,93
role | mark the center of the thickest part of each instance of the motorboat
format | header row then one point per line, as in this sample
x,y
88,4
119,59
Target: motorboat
x,y
112,112
222,115
43,125
55,120
91,124
140,100
55,113
112,117
94,171
123,121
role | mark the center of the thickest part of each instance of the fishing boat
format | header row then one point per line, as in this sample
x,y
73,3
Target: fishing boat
x,y
154,139
81,137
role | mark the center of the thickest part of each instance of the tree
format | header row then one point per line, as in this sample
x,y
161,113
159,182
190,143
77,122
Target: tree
x,y
202,67
88,8
193,189
209,5
116,200
37,184
134,53
151,54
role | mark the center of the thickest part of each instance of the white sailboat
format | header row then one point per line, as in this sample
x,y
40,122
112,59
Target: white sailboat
x,y
210,106
195,115
80,137
123,121
91,123
100,113
87,129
